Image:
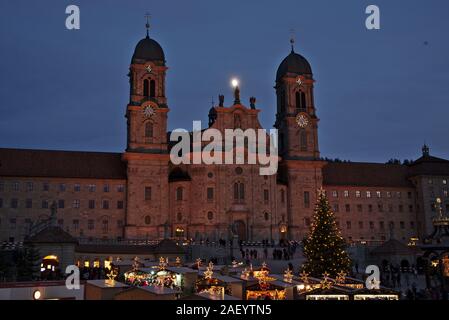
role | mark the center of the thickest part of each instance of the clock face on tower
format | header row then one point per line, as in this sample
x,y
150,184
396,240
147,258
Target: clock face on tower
x,y
302,119
148,111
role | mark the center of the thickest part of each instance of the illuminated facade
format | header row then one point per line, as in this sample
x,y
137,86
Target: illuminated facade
x,y
140,194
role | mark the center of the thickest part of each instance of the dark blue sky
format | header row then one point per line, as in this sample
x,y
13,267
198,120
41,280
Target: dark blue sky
x,y
379,94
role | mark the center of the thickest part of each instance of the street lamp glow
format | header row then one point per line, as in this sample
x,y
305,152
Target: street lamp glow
x,y
234,83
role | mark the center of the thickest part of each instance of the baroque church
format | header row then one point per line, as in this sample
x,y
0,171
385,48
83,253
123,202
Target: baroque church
x,y
141,194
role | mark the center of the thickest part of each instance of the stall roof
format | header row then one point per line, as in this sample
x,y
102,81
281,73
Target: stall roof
x,y
107,284
280,277
181,270
159,290
209,296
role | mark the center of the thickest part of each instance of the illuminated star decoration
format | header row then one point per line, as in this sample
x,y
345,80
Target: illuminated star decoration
x,y
198,262
304,276
209,271
288,276
325,283
375,284
149,69
341,277
162,263
112,274
299,81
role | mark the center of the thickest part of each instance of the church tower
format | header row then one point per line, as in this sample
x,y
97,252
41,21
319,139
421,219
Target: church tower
x,y
295,118
146,154
297,124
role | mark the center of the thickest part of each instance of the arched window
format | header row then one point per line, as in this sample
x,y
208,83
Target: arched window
x,y
148,130
282,101
152,88
147,220
210,215
105,226
239,191
300,98
266,216
146,88
303,140
179,193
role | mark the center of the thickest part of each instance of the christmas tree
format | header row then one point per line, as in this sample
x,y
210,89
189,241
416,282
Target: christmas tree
x,y
324,247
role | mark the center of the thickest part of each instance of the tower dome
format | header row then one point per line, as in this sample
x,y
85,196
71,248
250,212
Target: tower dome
x,y
148,50
293,63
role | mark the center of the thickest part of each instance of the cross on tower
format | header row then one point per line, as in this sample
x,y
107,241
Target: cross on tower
x,y
292,39
147,25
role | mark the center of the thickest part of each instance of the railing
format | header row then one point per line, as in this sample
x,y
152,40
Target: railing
x,y
139,242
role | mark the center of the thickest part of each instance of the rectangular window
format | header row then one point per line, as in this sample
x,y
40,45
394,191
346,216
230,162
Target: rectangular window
x,y
401,208
306,199
29,186
266,196
380,207
346,194
14,203
412,225
357,194
29,203
13,223
120,204
45,186
307,222
92,188
336,207
106,204
360,224
76,224
410,208
147,193
120,188
359,208
76,204
77,187
409,195
106,188
402,224
378,194
371,225
348,225
388,194
62,187
382,225
210,194
90,224
44,204
119,224
61,204
1,203
390,208
370,208
91,204
15,186
348,207
335,194
368,194
398,194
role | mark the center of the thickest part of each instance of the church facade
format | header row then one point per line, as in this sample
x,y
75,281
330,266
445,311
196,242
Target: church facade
x,y
141,194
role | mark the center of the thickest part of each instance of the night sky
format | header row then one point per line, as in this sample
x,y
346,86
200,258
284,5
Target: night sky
x,y
379,94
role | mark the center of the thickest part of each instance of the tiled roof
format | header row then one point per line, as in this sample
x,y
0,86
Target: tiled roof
x,y
51,235
64,164
365,174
